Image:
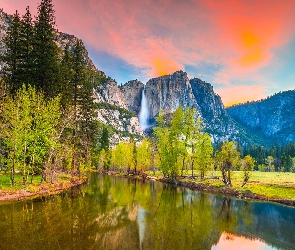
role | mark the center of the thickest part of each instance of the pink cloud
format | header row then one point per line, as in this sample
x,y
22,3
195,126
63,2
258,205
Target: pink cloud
x,y
238,94
160,38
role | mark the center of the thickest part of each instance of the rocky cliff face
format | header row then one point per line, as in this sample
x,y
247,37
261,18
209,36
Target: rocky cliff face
x,y
273,118
113,111
167,93
132,92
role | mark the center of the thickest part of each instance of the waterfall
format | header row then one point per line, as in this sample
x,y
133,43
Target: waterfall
x,y
144,113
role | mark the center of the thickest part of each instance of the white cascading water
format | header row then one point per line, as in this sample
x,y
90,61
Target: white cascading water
x,y
144,113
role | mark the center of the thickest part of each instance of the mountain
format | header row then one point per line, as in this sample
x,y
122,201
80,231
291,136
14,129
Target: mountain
x,y
168,92
273,118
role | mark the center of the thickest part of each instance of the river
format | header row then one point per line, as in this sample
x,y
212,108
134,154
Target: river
x,y
117,213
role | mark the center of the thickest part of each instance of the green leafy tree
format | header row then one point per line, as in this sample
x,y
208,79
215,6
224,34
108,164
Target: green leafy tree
x,y
204,154
228,158
143,155
177,140
269,163
28,127
248,164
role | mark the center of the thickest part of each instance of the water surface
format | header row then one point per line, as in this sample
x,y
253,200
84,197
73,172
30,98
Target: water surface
x,y
118,213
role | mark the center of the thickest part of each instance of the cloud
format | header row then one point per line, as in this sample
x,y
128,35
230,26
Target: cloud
x,y
239,94
237,38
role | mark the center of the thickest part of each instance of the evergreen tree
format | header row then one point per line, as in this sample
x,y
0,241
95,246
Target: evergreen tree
x,y
67,74
12,57
46,73
26,39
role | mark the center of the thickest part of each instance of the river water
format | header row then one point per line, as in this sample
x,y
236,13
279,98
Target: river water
x,y
117,213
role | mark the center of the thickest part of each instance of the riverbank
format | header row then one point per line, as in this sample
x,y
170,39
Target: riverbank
x,y
215,186
21,192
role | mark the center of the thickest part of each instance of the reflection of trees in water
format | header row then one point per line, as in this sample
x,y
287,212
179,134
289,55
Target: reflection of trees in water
x,y
103,215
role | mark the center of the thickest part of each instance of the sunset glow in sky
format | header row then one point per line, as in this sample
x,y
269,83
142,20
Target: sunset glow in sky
x,y
244,48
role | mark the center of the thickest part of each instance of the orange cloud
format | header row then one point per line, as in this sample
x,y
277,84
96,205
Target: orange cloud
x,y
164,66
231,95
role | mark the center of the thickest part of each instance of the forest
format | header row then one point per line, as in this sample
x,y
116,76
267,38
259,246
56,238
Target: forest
x,y
47,116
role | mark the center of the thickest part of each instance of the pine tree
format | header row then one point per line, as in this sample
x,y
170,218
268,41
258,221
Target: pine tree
x,y
12,57
105,141
67,74
46,75
26,40
85,126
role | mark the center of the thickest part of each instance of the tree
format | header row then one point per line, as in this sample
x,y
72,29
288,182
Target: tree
x,y
28,128
143,155
177,140
85,126
269,163
247,165
12,55
103,160
204,153
192,134
227,159
104,140
26,40
46,58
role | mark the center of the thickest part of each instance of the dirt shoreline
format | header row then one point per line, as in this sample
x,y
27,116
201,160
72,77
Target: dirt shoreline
x,y
214,190
56,188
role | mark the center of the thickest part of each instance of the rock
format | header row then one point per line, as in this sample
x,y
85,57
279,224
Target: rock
x,y
167,93
132,92
113,111
109,92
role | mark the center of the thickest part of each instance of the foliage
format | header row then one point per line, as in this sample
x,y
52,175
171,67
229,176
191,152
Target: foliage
x,y
227,159
247,165
28,128
143,155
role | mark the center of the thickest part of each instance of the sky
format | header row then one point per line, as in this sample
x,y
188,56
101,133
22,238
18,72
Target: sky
x,y
244,48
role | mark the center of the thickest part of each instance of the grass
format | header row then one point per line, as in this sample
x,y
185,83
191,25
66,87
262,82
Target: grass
x,y
274,185
271,184
5,183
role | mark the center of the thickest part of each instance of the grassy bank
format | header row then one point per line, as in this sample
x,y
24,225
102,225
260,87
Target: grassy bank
x,y
273,185
19,191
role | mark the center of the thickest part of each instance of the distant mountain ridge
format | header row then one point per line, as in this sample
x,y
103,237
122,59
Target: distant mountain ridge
x,y
273,118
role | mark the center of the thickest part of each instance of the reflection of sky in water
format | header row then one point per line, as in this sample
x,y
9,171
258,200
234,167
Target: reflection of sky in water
x,y
233,242
141,225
